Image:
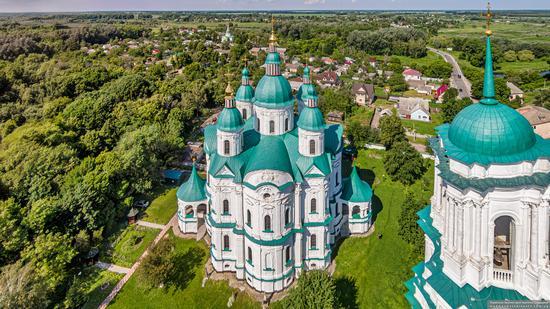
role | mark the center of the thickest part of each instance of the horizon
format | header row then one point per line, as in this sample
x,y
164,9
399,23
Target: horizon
x,y
235,6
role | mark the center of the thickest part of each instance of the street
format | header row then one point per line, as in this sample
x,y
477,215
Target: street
x,y
457,79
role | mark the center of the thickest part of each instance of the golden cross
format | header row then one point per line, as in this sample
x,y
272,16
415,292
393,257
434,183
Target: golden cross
x,y
488,16
245,61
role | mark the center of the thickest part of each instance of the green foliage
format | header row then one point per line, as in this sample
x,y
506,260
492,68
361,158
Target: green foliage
x,y
13,235
526,55
391,130
397,83
335,100
397,41
502,92
21,287
403,163
359,134
409,230
510,56
452,107
542,98
315,289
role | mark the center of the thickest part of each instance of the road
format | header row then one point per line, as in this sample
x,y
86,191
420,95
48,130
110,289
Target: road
x,y
458,80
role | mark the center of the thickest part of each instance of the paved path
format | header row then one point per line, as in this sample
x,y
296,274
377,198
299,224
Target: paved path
x,y
375,121
112,268
150,224
457,77
129,274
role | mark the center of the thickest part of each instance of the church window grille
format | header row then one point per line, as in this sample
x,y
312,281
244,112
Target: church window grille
x,y
311,147
226,242
313,206
225,209
226,147
267,223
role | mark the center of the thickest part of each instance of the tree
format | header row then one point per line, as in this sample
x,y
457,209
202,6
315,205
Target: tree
x,y
157,265
502,92
451,108
409,230
315,289
391,130
13,235
403,163
542,98
510,56
359,134
526,55
450,94
20,287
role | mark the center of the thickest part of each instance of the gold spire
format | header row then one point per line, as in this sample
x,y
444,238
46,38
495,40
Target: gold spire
x,y
229,90
488,17
272,38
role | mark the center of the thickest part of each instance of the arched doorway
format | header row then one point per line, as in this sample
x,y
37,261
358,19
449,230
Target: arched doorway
x,y
201,214
503,253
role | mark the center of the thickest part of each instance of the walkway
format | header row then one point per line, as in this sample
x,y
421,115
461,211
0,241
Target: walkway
x,y
150,224
375,121
458,80
112,268
129,274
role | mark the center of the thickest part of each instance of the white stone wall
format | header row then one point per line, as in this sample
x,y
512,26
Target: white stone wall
x,y
235,143
242,106
304,138
278,116
466,220
526,168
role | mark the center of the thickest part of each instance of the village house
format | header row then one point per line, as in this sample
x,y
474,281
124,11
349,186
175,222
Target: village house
x,y
372,62
328,60
538,117
328,79
438,95
515,92
292,68
411,74
295,83
414,109
420,86
364,93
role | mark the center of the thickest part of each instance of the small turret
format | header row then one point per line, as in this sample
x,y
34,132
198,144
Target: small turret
x,y
306,89
245,95
229,127
311,126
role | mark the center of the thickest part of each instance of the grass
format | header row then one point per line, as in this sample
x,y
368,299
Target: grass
x,y
414,94
363,115
101,283
129,245
371,269
421,127
535,65
214,295
517,31
409,61
163,207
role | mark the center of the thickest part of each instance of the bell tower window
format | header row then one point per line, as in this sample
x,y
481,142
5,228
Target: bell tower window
x,y
245,114
311,147
226,147
286,124
271,126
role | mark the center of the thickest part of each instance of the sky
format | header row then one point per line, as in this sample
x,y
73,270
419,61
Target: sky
x,y
189,5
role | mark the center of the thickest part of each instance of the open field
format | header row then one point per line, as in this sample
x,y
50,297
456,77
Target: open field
x,y
129,245
189,294
163,207
514,30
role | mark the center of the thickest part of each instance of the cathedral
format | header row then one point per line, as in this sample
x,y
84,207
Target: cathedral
x,y
487,230
274,202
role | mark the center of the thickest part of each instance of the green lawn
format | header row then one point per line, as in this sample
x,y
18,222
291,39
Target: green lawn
x,y
362,114
536,65
163,206
414,94
420,126
373,269
517,31
190,295
128,245
101,282
424,61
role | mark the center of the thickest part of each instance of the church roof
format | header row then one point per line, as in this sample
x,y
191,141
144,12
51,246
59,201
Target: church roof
x,y
193,189
245,93
272,152
311,119
273,92
230,120
356,190
491,132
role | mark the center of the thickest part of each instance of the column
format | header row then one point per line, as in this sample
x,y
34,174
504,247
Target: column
x,y
544,234
477,233
460,229
534,234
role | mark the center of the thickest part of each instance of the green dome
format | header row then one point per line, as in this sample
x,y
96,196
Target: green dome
x,y
311,119
491,129
273,92
273,58
356,190
193,189
245,93
245,72
270,154
229,120
305,91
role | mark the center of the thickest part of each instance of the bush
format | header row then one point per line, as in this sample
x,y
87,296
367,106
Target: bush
x,y
315,289
403,163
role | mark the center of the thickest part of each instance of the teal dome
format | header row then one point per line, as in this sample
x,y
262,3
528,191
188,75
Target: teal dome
x,y
356,190
193,189
273,92
305,91
270,154
273,58
491,129
311,119
245,93
229,120
245,72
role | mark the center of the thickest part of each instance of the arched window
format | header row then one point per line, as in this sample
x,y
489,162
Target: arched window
x,y
313,241
245,114
269,261
287,254
225,209
271,126
345,209
226,242
287,216
336,178
286,124
356,212
311,147
337,212
257,122
226,147
267,195
248,218
313,206
249,255
267,223
189,213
